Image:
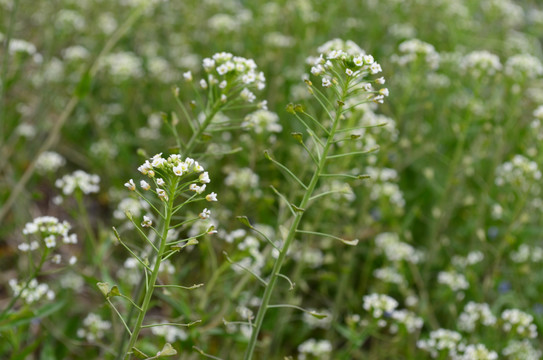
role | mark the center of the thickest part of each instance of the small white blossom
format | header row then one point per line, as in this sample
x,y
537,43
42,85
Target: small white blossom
x,y
145,185
211,197
147,222
130,185
205,214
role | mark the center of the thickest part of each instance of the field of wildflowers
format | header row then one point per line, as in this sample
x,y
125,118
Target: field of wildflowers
x,y
303,179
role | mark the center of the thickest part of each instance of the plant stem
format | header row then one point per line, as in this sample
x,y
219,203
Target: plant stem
x,y
152,280
196,136
291,234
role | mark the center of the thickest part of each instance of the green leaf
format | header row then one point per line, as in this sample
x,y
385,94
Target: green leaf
x,y
104,288
297,209
27,316
139,354
318,316
114,291
167,350
245,221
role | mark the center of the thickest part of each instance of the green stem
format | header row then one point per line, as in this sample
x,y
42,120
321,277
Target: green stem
x,y
198,134
291,234
153,278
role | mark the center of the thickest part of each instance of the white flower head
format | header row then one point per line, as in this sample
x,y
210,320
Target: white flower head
x,y
145,185
147,222
205,214
130,185
211,197
204,178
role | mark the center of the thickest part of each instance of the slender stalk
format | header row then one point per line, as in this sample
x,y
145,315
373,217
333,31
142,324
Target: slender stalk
x,y
291,234
196,135
154,275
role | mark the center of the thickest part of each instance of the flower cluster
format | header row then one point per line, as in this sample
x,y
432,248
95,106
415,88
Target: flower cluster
x,y
476,351
407,319
320,349
379,304
383,186
441,341
232,76
395,250
262,121
94,328
526,253
32,291
519,172
473,314
49,229
170,333
521,350
520,322
413,49
471,258
87,183
166,172
123,66
389,274
523,66
49,162
481,64
456,281
346,58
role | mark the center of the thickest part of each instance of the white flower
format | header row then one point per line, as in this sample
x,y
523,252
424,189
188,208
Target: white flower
x,y
187,76
358,61
247,95
375,68
203,84
204,178
50,241
368,59
349,72
147,222
56,259
326,82
178,170
384,91
130,185
205,214
162,194
160,182
197,189
144,185
211,197
380,80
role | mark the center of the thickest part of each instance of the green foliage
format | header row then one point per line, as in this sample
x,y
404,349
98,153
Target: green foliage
x,y
411,221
